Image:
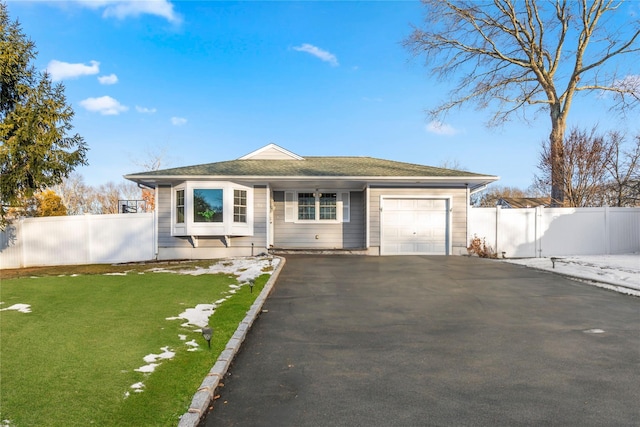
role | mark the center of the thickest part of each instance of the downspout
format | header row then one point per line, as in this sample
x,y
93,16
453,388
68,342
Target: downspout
x,y
155,222
367,215
467,213
267,218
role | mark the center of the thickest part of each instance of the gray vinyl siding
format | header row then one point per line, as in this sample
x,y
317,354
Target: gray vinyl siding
x,y
259,238
166,240
458,215
347,235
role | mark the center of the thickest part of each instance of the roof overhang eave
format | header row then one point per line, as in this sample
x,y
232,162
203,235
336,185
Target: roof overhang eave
x,y
473,182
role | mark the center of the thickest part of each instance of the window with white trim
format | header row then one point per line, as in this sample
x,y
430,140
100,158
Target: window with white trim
x,y
328,206
216,208
317,206
180,206
306,206
240,206
208,205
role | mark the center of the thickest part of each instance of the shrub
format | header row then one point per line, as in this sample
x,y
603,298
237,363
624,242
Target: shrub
x,y
479,247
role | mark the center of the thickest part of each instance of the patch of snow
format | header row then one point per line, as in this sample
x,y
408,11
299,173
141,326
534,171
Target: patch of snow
x,y
182,337
245,268
147,369
22,308
197,316
116,274
616,272
193,345
137,388
166,354
594,331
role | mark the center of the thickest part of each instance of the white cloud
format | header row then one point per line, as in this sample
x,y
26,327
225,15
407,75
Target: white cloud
x,y
318,53
145,110
178,121
122,9
59,70
105,105
440,128
111,79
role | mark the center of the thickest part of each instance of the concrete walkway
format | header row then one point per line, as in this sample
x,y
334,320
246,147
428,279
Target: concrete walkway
x,y
413,341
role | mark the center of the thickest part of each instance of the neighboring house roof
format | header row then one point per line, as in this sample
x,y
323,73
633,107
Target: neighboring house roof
x,y
524,202
274,163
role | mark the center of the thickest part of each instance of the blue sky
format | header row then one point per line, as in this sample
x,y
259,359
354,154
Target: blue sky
x,y
209,81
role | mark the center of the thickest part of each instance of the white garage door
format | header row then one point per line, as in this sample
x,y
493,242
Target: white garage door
x,y
414,226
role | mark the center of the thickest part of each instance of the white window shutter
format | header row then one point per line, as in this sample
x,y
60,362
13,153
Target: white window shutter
x,y
346,206
289,206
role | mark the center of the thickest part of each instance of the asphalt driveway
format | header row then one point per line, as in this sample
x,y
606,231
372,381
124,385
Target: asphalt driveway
x,y
416,341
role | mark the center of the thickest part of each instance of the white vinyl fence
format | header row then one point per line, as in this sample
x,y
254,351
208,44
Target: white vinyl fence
x,y
85,239
545,232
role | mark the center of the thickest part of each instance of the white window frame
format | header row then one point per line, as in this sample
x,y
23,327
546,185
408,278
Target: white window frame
x,y
343,206
225,228
178,228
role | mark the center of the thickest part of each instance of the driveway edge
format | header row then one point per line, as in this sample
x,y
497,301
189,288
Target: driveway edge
x,y
205,393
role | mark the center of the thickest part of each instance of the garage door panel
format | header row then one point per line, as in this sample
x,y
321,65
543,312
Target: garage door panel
x,y
430,204
414,226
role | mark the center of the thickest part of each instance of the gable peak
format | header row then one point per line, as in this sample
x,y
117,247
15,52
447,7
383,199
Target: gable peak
x,y
271,152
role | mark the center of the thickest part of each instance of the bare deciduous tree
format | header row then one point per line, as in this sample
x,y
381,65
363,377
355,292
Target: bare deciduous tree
x,y
598,170
154,161
510,55
74,193
623,188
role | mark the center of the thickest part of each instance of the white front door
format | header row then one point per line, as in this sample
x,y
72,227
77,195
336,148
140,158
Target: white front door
x,y
414,226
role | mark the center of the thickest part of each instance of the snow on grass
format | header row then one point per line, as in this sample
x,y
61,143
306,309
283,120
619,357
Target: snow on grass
x,y
196,316
193,345
166,354
620,273
245,269
147,369
22,308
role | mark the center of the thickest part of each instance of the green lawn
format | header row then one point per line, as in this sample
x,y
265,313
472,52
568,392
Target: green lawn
x,y
72,360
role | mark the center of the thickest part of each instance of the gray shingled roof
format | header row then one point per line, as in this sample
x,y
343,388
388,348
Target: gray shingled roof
x,y
310,167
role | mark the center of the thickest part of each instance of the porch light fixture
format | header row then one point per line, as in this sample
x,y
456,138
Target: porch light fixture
x,y
207,333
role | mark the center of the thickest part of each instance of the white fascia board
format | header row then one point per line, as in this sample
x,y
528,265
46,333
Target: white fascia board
x,y
473,182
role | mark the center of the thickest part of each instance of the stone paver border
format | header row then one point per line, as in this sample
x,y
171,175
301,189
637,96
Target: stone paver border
x,y
205,393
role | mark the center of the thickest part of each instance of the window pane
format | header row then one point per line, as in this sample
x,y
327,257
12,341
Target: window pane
x,y
306,206
328,205
239,206
180,206
207,205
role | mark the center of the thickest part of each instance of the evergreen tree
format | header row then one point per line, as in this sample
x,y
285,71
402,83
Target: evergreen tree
x,y
37,149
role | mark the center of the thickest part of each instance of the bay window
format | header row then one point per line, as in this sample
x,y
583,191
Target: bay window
x,y
212,209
